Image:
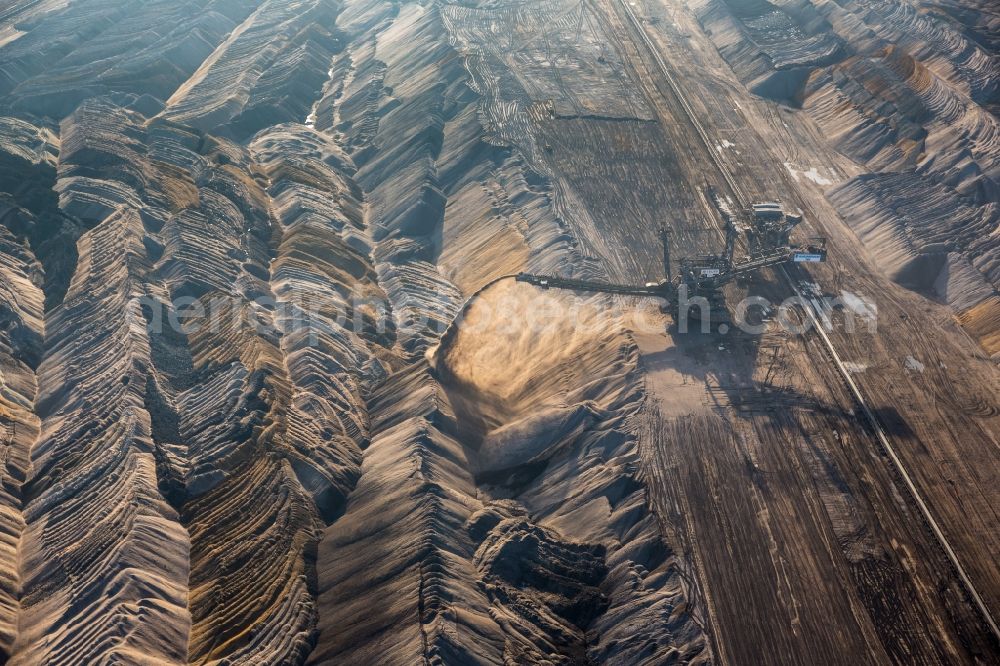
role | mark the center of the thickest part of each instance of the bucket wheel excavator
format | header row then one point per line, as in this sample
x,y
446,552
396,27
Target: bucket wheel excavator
x,y
767,228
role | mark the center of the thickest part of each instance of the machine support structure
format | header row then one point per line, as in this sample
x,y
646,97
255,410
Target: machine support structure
x,y
768,228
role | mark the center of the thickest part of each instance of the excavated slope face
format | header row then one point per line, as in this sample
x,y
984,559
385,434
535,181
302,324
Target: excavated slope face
x,y
911,92
243,418
486,560
56,54
567,547
21,331
183,475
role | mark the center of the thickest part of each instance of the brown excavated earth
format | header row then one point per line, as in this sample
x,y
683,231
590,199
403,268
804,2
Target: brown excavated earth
x,y
270,392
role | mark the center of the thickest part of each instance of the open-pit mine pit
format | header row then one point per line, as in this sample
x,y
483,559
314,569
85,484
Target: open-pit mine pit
x,y
355,332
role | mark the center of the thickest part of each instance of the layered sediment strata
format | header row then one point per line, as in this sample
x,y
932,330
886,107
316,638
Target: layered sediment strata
x,y
266,71
420,598
30,204
104,557
21,332
556,455
495,543
61,53
248,421
277,425
280,230
408,96
27,172
337,334
918,223
488,570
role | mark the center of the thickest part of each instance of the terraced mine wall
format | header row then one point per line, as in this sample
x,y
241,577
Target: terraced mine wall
x,y
233,234
268,394
909,91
